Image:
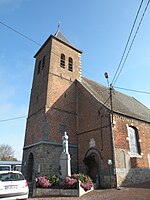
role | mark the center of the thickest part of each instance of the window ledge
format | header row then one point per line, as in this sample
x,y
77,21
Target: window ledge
x,y
135,155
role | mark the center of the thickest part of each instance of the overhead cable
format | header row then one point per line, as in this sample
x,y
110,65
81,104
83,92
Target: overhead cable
x,y
10,119
132,42
127,41
139,91
20,33
121,67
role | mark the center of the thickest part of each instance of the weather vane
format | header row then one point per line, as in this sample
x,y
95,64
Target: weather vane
x,y
58,27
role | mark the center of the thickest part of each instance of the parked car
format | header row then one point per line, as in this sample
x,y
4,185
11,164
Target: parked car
x,y
13,185
5,167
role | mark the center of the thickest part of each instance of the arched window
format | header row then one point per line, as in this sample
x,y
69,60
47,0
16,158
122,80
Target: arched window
x,y
122,160
30,167
133,140
62,61
70,64
39,67
43,62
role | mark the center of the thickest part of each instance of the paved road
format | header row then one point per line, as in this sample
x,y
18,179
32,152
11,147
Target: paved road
x,y
137,192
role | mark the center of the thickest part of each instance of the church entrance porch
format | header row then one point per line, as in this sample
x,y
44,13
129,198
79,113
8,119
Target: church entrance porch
x,y
93,165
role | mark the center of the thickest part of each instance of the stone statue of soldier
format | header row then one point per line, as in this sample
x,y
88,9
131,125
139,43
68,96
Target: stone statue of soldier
x,y
65,165
65,142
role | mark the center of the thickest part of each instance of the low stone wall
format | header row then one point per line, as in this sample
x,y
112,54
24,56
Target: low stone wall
x,y
47,192
132,176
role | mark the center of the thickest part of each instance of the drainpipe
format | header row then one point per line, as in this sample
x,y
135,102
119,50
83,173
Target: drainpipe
x,y
76,102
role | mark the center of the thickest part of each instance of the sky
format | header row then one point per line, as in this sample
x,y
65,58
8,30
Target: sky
x,y
99,28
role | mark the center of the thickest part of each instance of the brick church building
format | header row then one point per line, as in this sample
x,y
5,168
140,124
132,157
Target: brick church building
x,y
62,100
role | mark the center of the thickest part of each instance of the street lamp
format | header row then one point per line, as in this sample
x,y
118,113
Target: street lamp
x,y
106,76
110,163
110,96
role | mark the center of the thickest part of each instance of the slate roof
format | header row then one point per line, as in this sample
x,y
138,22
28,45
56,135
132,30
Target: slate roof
x,y
122,103
61,37
58,35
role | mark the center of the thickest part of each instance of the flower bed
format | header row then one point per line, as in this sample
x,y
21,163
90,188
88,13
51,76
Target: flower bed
x,y
76,185
85,181
47,192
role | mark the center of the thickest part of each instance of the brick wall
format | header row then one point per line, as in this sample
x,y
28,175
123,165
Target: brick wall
x,y
94,132
52,107
135,168
53,94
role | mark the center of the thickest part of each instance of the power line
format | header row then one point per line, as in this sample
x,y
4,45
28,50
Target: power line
x,y
127,89
132,41
20,33
23,35
10,119
15,118
95,129
128,40
139,91
114,80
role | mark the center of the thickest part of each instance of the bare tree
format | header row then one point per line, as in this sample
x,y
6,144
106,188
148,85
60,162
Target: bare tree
x,y
6,152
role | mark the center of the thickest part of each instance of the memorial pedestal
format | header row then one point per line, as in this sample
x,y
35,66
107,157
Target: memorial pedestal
x,y
65,167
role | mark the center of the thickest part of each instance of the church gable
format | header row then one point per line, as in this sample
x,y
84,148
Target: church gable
x,y
94,133
91,108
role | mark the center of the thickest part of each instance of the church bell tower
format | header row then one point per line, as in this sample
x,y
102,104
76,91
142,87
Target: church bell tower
x,y
52,108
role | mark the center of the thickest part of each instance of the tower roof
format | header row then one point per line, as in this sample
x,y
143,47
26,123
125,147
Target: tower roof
x,y
61,37
58,35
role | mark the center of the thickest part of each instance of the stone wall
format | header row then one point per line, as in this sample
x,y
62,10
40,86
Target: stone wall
x,y
132,176
46,159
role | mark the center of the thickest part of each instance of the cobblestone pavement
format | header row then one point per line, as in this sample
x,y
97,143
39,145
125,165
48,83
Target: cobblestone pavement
x,y
136,192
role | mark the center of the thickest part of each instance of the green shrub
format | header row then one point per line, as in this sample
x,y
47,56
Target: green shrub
x,y
54,180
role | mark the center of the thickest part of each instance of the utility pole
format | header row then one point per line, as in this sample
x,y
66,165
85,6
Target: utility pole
x,y
111,123
111,104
